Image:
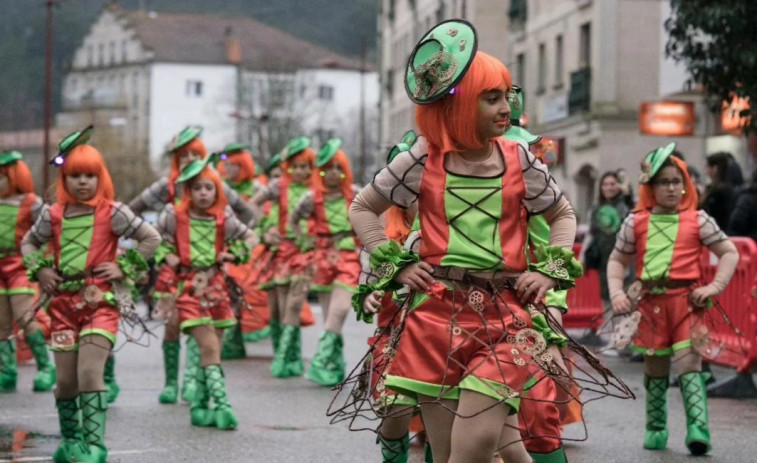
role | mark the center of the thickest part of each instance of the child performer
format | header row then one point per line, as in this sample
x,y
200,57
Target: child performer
x,y
288,265
89,287
474,192
19,208
666,232
202,234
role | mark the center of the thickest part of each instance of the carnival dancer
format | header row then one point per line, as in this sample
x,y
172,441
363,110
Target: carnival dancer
x,y
19,207
667,233
289,266
201,234
238,171
185,147
335,257
88,285
474,190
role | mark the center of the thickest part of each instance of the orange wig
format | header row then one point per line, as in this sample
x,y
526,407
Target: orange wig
x,y
194,146
450,123
345,184
396,228
19,179
85,159
218,207
243,160
306,155
690,198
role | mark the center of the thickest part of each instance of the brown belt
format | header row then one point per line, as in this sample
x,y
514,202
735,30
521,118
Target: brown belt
x,y
464,276
667,284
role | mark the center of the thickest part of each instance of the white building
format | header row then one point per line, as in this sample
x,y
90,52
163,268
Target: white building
x,y
585,67
146,75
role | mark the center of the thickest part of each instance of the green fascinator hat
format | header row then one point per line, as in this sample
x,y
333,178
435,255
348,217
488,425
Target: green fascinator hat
x,y
328,151
184,137
654,160
273,163
516,132
439,61
194,168
407,140
70,142
10,157
296,145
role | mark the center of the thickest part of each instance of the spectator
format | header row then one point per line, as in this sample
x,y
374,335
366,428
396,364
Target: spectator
x,y
718,197
743,220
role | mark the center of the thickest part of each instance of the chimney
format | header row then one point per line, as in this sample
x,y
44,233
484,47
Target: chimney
x,y
233,47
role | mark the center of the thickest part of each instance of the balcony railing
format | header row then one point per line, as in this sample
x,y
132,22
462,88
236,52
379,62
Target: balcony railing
x,y
579,98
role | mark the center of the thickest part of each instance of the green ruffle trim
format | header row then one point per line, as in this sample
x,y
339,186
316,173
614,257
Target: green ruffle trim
x,y
386,261
540,324
557,263
557,298
163,250
134,268
358,298
35,262
240,250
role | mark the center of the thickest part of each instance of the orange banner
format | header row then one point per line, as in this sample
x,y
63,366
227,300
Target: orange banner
x,y
667,118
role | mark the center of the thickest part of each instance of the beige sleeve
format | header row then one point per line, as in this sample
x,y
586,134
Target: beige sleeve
x,y
128,225
616,271
303,210
365,211
729,259
562,224
39,234
625,242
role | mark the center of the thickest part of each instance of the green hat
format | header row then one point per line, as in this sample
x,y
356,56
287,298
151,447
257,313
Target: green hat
x,y
519,134
273,163
515,100
9,157
233,147
440,60
194,168
328,151
295,146
654,160
516,132
407,140
70,142
184,137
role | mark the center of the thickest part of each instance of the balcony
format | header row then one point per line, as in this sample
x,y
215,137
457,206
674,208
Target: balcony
x,y
100,98
579,98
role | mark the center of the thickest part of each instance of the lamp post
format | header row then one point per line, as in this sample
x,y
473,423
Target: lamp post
x,y
49,4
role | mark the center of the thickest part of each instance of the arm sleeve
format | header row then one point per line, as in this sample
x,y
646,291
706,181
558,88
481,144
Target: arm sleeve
x,y
562,224
303,210
128,225
167,224
399,182
364,217
367,276
153,197
625,242
233,228
39,234
541,190
709,232
729,259
36,208
239,207
269,192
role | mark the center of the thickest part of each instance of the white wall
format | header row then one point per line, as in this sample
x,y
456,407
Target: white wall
x,y
172,109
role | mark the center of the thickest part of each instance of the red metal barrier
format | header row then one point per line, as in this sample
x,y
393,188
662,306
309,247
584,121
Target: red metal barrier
x,y
739,352
584,301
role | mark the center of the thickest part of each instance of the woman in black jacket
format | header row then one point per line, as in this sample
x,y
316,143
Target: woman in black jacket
x,y
743,221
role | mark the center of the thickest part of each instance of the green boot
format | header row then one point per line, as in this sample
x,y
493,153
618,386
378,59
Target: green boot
x,y
558,456
286,346
694,393
257,335
328,365
656,435
200,412
395,451
170,391
294,365
8,370
111,386
216,384
191,366
233,344
275,327
94,406
44,380
72,447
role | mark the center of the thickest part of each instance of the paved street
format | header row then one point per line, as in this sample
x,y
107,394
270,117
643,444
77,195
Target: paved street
x,y
284,420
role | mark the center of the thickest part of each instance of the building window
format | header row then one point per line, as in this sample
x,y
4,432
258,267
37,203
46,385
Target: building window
x,y
325,92
90,56
518,11
558,61
101,54
542,69
389,84
194,88
585,44
521,71
124,53
112,57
